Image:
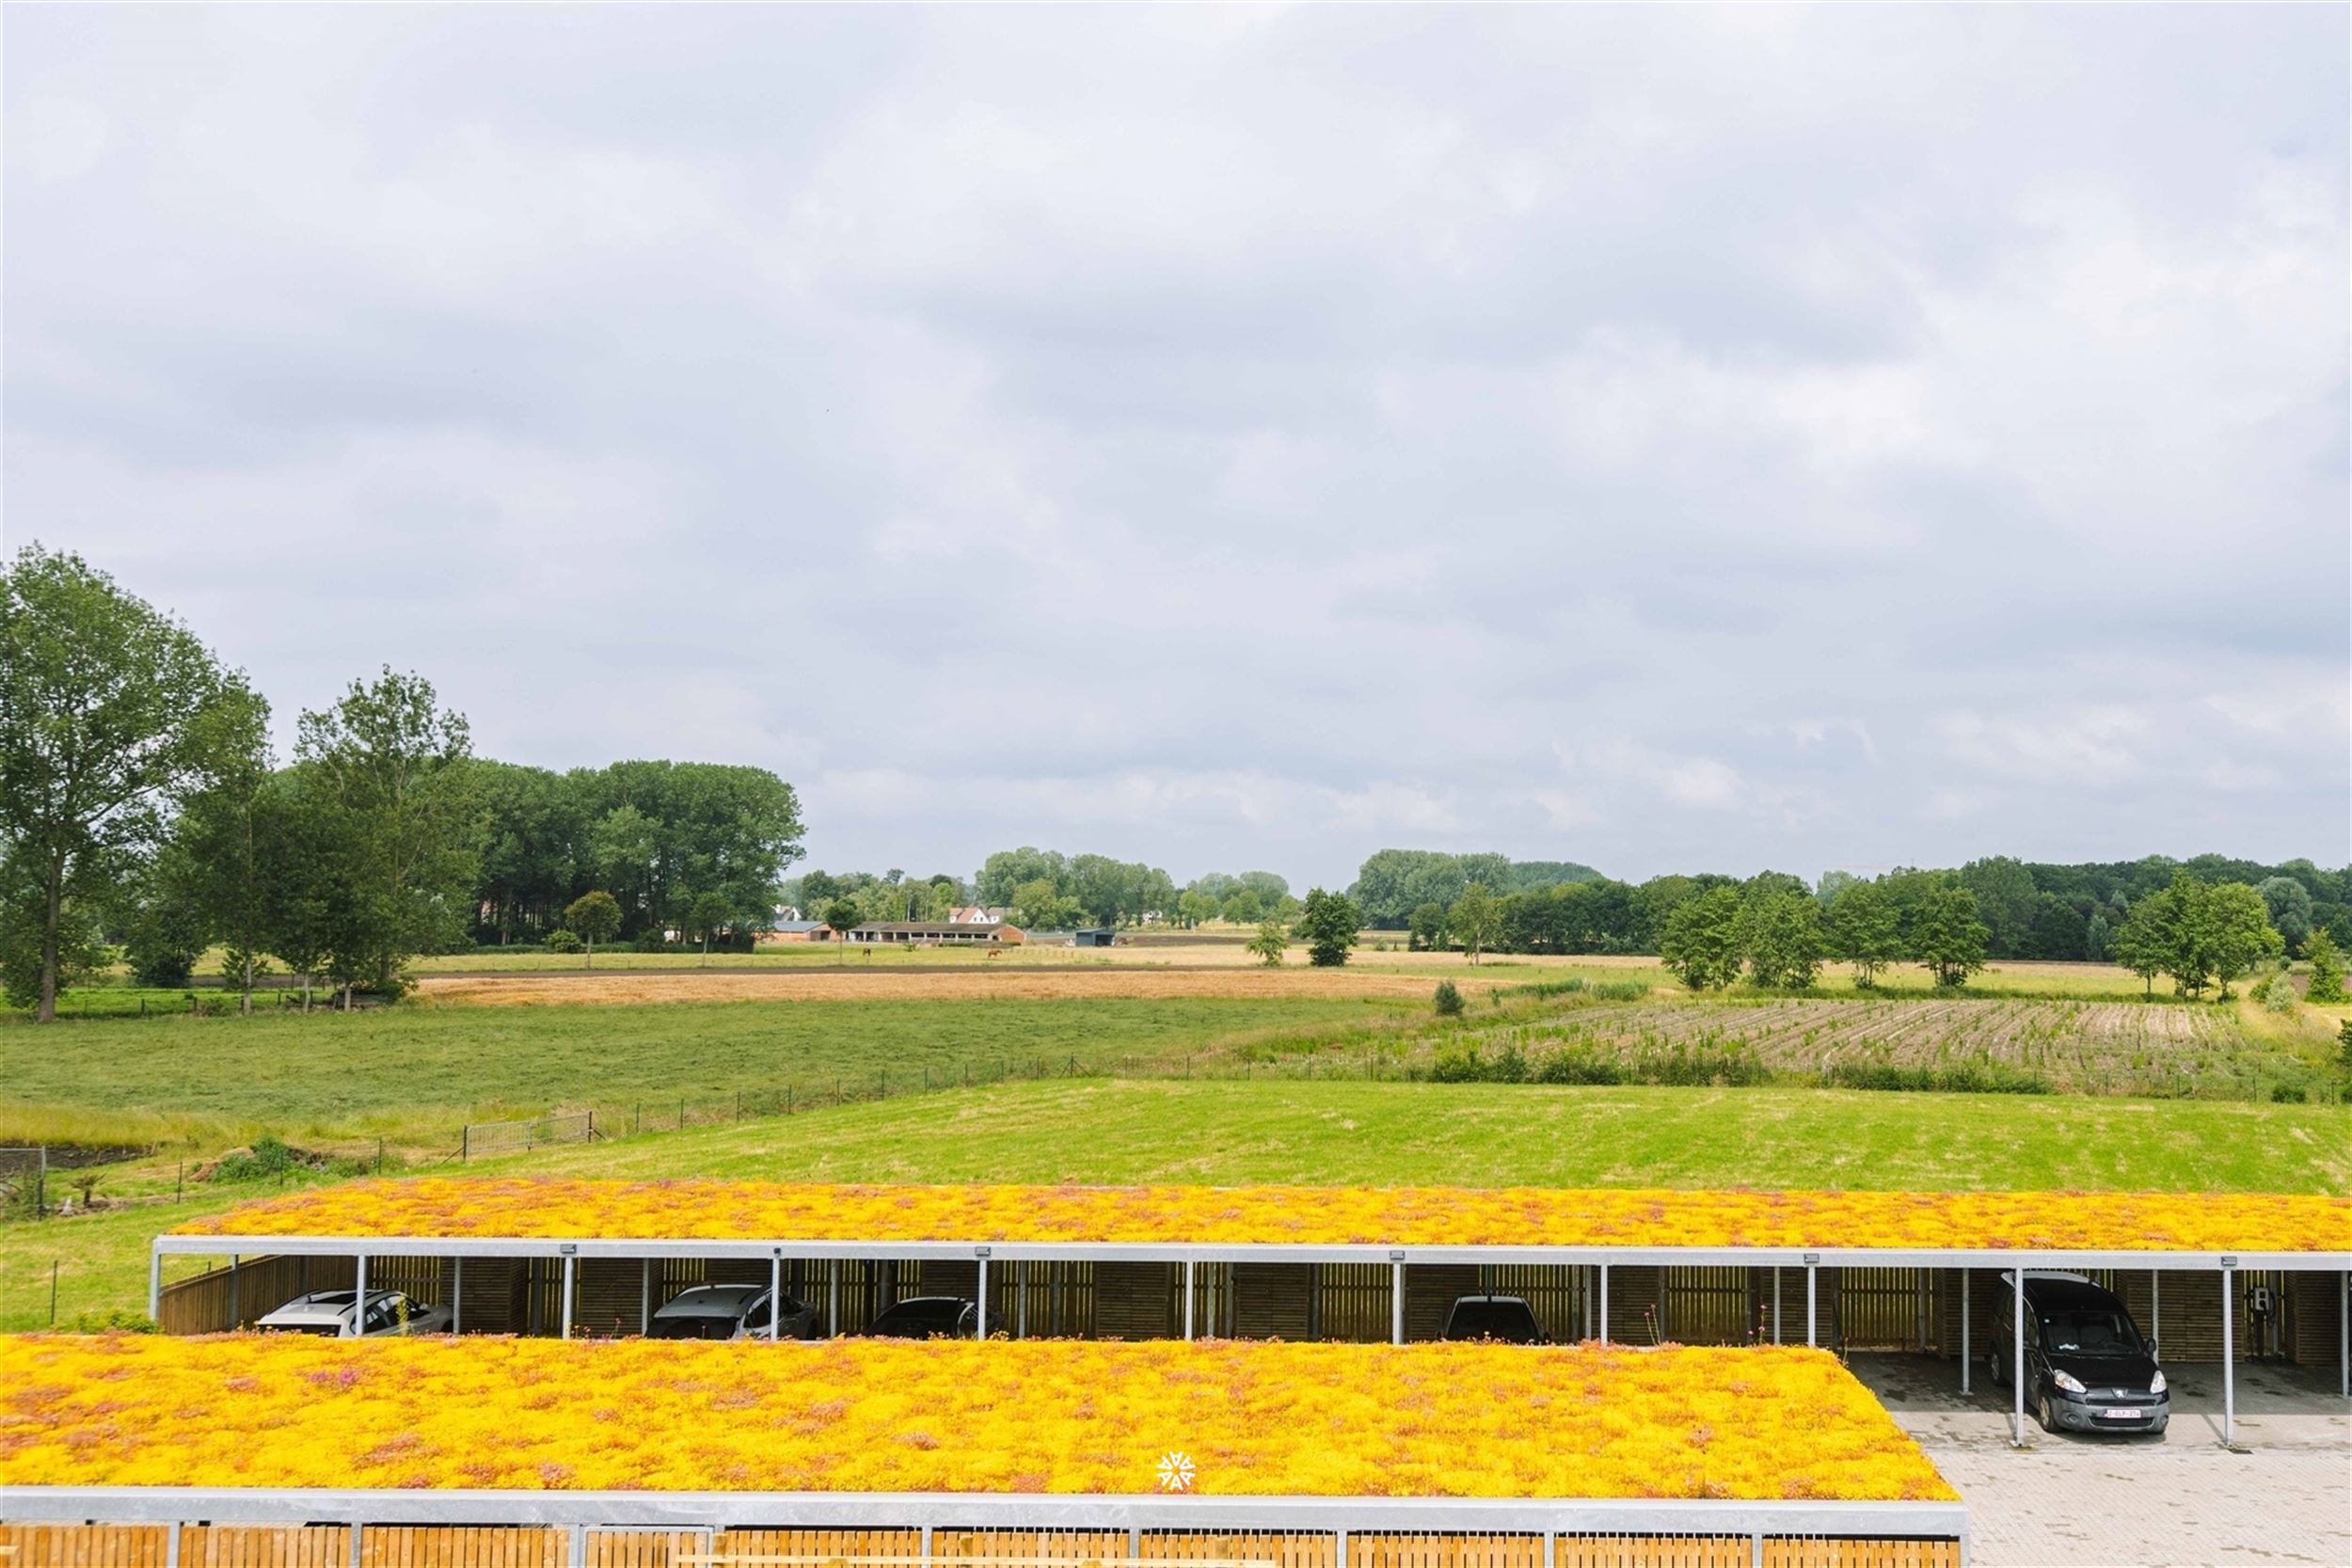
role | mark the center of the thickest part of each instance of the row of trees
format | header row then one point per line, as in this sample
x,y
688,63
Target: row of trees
x,y
139,800
1778,935
1586,912
665,839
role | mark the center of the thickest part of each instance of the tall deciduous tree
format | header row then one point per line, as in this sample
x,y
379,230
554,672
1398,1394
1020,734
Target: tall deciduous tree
x,y
1270,943
1329,924
1474,919
1865,928
594,916
1947,937
2327,962
1700,946
1781,934
2289,905
111,714
2234,930
710,914
395,766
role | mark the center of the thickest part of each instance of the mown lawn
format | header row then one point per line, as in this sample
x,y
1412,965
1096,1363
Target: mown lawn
x,y
1333,1134
413,1074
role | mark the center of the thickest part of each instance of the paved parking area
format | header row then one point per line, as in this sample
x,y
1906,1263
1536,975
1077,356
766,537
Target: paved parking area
x,y
2067,1501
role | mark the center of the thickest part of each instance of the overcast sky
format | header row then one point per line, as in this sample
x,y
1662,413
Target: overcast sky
x,y
1663,439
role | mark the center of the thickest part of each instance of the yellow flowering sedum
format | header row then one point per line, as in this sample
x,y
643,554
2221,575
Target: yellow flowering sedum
x,y
1425,1216
883,1415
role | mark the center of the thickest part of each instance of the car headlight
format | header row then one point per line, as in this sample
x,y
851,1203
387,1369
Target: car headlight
x,y
2157,1385
2067,1381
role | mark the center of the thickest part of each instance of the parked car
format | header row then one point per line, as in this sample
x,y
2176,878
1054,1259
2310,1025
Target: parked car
x,y
329,1313
731,1312
926,1318
1508,1319
2086,1367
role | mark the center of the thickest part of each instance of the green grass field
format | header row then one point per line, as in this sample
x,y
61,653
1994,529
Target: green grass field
x,y
1351,1133
413,1074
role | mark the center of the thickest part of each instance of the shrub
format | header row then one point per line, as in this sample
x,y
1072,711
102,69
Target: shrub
x,y
1448,1000
1972,1078
564,942
116,1320
2288,1094
268,1157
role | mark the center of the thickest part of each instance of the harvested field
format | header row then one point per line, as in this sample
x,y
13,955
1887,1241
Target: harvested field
x,y
849,984
2071,1047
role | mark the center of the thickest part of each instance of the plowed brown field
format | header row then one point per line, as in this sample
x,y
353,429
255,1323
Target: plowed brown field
x,y
1154,984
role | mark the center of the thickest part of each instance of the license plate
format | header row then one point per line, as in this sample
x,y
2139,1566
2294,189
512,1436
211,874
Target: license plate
x,y
2125,1415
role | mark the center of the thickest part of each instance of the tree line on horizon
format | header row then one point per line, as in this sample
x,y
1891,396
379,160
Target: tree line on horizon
x,y
141,808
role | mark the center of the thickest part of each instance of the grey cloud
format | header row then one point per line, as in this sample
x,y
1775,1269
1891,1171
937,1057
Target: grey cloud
x,y
1240,436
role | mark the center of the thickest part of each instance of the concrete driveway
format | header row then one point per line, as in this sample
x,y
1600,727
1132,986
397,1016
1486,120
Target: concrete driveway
x,y
2067,1501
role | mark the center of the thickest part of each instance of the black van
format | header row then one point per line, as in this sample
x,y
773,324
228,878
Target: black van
x,y
2087,1367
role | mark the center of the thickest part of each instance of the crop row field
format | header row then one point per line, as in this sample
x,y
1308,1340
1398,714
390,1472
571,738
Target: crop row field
x,y
2057,1047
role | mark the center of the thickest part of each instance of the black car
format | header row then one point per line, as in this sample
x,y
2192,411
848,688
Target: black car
x,y
1507,1318
927,1318
2087,1367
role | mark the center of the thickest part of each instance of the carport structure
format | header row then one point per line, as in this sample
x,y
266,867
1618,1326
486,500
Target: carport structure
x,y
1310,1263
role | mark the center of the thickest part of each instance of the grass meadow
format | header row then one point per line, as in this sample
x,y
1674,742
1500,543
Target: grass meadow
x,y
412,1074
1338,1132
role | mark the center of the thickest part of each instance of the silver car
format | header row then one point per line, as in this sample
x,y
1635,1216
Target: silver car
x,y
731,1312
330,1313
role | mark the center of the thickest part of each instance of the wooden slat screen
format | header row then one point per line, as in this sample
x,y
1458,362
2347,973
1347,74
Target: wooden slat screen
x,y
1284,1549
1426,1549
265,1546
1811,1551
1653,1551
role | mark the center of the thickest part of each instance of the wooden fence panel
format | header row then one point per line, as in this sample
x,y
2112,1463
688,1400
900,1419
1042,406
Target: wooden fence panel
x,y
462,1546
629,1549
1811,1551
1429,1550
1653,1551
86,1545
821,1544
265,1546
1068,1547
1285,1549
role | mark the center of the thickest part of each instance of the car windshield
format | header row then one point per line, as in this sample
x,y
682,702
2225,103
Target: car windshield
x,y
2090,1331
1491,1319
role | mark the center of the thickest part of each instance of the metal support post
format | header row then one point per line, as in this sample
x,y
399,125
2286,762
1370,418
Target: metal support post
x,y
457,1295
644,1299
1396,1298
1811,1272
360,1297
171,1545
2017,1354
832,1298
2229,1360
1963,1331
154,1281
1604,1303
2155,1315
236,1318
1776,1303
355,1546
1020,1300
983,1294
1338,1559
775,1298
1189,1288
570,1260
2343,1339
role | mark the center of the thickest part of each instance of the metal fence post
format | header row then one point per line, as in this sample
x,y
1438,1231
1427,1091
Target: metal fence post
x,y
1811,1261
571,1258
1965,1277
2229,1360
2018,1354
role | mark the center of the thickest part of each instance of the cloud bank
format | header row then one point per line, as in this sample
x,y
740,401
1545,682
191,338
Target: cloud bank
x,y
1661,439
